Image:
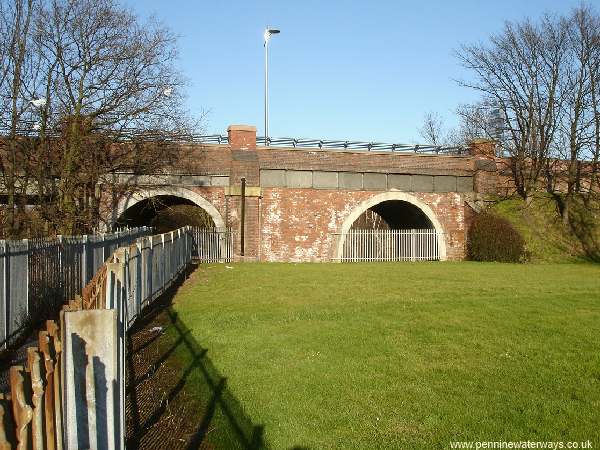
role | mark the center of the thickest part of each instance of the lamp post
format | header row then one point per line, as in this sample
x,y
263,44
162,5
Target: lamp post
x,y
268,32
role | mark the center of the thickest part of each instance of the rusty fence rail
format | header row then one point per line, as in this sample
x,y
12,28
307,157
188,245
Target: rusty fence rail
x,y
71,392
38,275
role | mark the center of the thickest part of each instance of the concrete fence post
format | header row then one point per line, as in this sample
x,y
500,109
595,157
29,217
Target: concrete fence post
x,y
116,292
92,408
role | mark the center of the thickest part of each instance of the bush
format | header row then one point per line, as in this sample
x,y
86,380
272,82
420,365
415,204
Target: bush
x,y
493,238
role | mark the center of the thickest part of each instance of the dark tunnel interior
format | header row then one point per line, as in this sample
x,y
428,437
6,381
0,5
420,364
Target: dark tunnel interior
x,y
165,213
395,215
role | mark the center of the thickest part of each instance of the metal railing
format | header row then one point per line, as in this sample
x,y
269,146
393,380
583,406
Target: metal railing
x,y
325,144
38,275
213,245
71,392
127,135
390,245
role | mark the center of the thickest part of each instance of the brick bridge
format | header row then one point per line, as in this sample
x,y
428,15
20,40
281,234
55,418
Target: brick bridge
x,y
299,200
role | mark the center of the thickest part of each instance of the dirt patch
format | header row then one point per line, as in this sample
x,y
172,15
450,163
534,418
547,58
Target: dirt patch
x,y
176,399
158,407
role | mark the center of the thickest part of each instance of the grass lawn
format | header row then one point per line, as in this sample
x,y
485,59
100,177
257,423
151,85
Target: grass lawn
x,y
409,355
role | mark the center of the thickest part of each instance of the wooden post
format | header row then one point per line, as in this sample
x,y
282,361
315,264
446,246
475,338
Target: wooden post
x,y
22,412
47,352
37,388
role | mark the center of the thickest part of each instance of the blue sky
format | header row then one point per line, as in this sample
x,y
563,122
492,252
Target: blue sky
x,y
366,70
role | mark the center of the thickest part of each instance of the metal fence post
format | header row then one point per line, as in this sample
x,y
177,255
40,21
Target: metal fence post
x,y
162,256
61,271
150,264
27,275
5,293
103,247
84,260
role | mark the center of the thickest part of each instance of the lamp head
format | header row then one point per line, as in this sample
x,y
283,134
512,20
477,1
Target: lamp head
x,y
269,32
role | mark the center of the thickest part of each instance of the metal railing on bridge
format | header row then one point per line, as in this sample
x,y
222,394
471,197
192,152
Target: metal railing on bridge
x,y
390,245
341,145
127,135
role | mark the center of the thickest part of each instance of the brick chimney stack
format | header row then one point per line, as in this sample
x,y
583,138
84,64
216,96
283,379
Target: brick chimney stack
x,y
242,137
483,147
484,164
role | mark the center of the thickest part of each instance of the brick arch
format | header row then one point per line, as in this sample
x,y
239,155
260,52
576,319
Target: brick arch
x,y
146,193
386,196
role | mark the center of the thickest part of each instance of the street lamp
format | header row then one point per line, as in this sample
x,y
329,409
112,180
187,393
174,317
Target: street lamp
x,y
268,32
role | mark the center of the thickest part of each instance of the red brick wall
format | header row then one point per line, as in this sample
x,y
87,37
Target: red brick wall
x,y
297,224
286,224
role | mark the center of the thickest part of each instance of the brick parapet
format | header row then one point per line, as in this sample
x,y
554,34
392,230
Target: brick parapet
x,y
379,162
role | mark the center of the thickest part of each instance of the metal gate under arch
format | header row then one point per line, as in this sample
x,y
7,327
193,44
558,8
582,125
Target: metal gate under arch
x,y
390,245
213,245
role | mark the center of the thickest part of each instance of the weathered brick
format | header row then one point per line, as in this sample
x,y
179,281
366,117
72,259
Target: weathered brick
x,y
307,194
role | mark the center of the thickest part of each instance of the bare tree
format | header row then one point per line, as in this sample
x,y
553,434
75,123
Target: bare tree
x,y
475,121
17,67
578,118
544,77
433,129
520,70
113,75
89,91
478,120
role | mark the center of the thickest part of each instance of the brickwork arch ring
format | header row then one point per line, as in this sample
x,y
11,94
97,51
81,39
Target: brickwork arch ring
x,y
146,193
402,196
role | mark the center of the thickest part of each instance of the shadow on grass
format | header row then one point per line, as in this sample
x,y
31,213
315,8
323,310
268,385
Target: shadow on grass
x,y
584,223
176,397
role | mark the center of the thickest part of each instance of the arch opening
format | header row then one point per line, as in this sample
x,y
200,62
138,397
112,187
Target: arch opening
x,y
393,226
164,213
178,195
392,215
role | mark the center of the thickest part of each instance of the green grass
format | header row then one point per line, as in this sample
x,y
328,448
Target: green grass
x,y
411,356
547,239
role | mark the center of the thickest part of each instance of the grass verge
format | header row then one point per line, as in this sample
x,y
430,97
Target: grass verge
x,y
413,356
